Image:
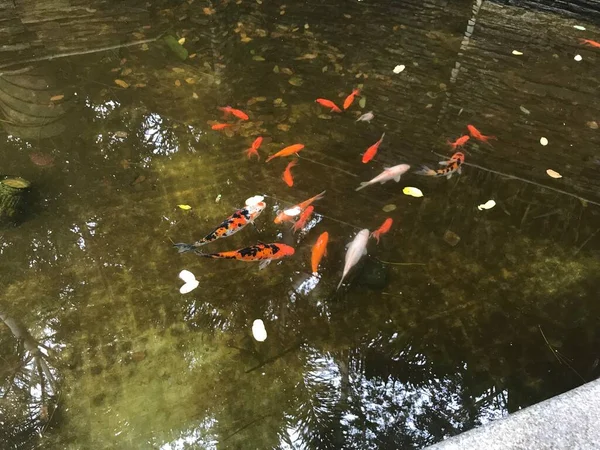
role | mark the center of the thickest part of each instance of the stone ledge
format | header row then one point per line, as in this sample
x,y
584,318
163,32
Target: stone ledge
x,y
568,421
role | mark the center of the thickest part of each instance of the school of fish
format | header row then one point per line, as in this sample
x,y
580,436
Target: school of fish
x,y
300,214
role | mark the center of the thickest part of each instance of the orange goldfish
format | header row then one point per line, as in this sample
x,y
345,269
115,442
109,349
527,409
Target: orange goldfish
x,y
287,151
590,42
303,218
459,142
265,253
287,173
372,150
477,135
236,112
384,228
221,126
318,251
254,149
453,165
350,98
297,209
328,104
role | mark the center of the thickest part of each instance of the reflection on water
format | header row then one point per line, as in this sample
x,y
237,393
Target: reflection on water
x,y
458,317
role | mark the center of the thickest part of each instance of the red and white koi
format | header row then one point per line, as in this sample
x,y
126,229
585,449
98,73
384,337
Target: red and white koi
x,y
451,166
289,214
234,223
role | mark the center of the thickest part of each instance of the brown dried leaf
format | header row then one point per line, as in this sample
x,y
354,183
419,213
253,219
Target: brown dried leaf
x,y
208,11
177,83
190,80
56,98
283,127
122,83
126,72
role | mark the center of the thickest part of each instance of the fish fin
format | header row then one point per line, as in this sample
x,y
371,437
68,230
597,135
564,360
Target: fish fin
x,y
459,170
340,283
264,264
363,185
449,175
444,163
365,250
426,171
182,248
397,178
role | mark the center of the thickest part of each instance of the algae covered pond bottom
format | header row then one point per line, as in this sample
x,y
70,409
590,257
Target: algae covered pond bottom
x,y
479,300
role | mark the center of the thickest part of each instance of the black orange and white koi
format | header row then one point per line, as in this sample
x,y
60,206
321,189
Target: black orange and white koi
x,y
234,223
265,253
454,164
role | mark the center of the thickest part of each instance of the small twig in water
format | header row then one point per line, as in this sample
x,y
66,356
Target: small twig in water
x,y
400,264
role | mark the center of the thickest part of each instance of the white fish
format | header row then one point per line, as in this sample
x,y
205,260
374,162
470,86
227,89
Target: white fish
x,y
356,250
366,117
390,173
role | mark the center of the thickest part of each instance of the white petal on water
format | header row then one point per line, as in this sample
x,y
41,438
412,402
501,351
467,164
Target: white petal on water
x,y
399,68
543,141
524,110
258,330
292,211
187,276
579,27
487,205
517,52
577,58
254,200
189,286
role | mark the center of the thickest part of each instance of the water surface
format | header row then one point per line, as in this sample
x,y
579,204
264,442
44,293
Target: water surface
x,y
424,341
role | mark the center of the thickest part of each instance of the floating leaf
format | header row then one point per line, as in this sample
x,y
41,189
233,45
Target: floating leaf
x,y
258,330
126,72
287,71
399,68
176,47
121,134
56,98
138,180
295,81
362,102
451,238
258,58
190,81
388,208
181,41
124,163
307,56
177,83
122,83
283,127
276,69
184,207
553,173
524,110
487,205
592,124
543,141
208,11
412,191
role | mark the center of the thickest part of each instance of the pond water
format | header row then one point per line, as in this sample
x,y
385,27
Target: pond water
x,y
459,315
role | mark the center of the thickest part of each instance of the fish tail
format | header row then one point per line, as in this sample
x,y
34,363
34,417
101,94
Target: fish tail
x,y
183,248
375,234
363,185
339,284
426,171
320,196
270,158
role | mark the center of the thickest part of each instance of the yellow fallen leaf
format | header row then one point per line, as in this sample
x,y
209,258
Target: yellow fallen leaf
x,y
126,72
181,41
208,11
122,83
177,83
184,207
190,80
56,98
412,191
553,173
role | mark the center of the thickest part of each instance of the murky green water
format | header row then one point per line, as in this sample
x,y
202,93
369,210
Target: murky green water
x,y
100,350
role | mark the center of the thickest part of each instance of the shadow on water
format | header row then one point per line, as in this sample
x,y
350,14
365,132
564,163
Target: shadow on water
x,y
458,317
